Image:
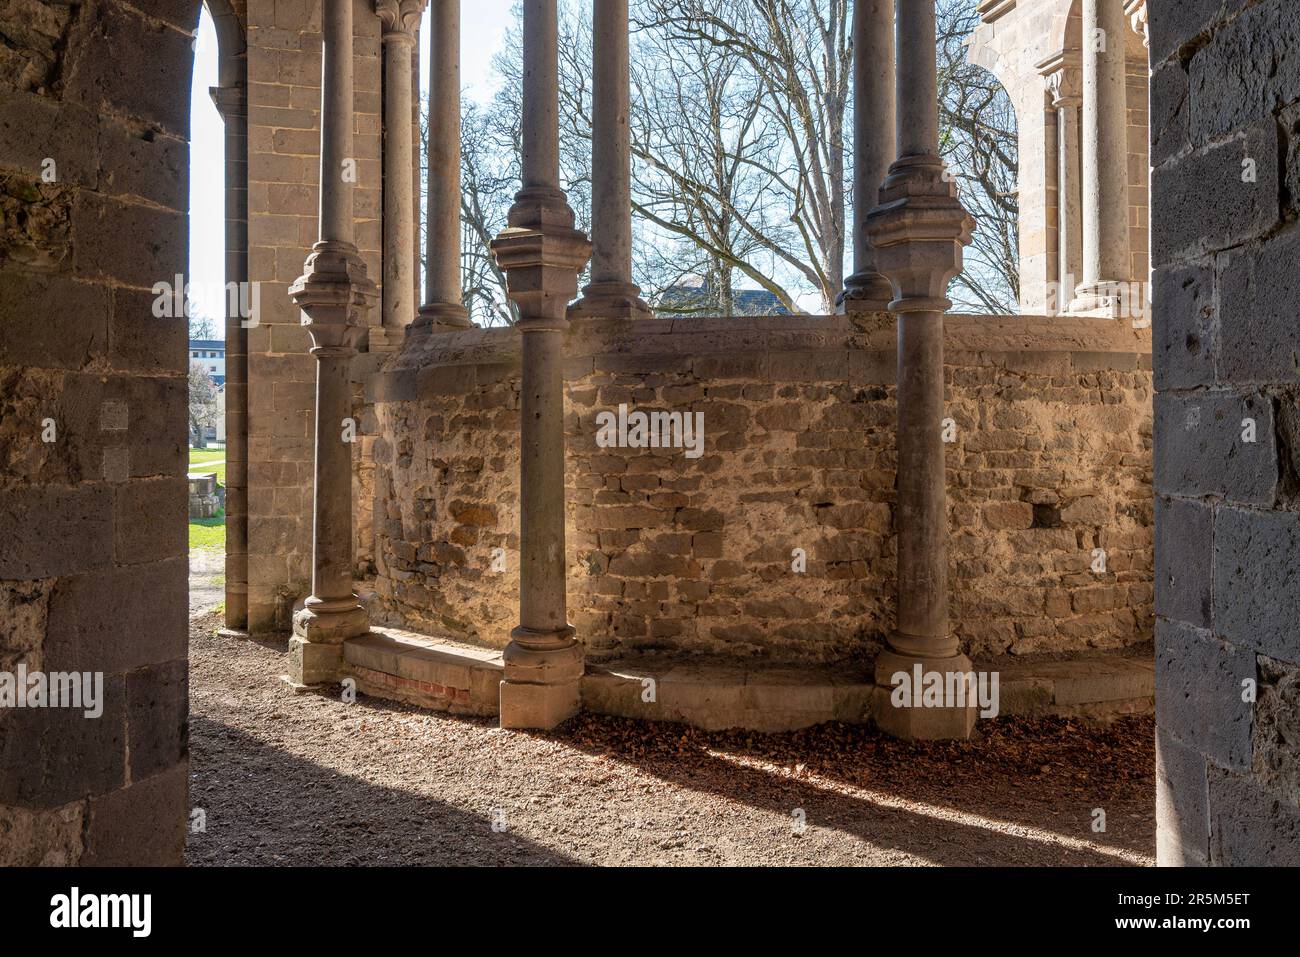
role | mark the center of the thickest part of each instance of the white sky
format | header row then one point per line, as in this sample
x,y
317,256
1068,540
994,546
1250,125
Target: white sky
x,y
483,30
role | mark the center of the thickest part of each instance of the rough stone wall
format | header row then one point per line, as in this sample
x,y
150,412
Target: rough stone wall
x,y
1225,247
1051,460
284,71
93,521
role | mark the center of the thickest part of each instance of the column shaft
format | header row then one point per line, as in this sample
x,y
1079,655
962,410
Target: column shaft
x,y
918,82
443,307
874,145
611,294
1104,154
1068,199
336,123
399,203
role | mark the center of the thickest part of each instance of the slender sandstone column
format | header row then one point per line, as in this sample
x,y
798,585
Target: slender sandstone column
x,y
919,230
1063,85
443,308
541,254
335,294
873,145
400,19
1105,157
611,294
232,104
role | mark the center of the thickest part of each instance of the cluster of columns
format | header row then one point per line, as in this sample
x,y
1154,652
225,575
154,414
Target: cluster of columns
x,y
910,231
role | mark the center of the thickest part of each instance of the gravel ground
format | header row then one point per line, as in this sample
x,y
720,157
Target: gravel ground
x,y
207,565
312,780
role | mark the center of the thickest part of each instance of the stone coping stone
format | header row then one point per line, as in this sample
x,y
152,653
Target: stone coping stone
x,y
771,348
716,695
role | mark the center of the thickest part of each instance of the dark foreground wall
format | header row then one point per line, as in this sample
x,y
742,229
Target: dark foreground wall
x,y
1225,116
94,118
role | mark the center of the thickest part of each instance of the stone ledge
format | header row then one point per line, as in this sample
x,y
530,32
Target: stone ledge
x,y
464,679
427,672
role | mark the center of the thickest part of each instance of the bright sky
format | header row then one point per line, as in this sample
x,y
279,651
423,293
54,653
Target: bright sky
x,y
483,29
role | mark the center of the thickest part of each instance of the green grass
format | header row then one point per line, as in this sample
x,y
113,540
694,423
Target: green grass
x,y
208,532
200,457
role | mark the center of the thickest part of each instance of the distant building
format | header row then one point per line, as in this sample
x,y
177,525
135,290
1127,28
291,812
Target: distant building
x,y
211,354
701,300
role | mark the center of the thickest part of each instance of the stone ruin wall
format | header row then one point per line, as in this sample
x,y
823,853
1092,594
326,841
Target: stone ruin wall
x,y
1052,460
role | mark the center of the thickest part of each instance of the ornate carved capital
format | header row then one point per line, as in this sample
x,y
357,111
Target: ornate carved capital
x,y
400,18
1137,16
1065,86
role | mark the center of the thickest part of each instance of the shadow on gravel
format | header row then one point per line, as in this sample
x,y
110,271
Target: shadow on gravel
x,y
265,806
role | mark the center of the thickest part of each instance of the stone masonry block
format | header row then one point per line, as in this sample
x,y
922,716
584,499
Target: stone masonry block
x,y
1257,580
1184,334
1258,291
1184,560
1182,805
1250,826
1199,693
1204,450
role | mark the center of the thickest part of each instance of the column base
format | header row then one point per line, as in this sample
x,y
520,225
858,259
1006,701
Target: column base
x,y
384,339
611,300
865,292
331,622
543,679
1105,298
441,317
312,664
916,716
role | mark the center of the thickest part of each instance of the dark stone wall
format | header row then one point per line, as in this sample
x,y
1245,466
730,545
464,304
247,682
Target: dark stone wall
x,y
94,123
1225,108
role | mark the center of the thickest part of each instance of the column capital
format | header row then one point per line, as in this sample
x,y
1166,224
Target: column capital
x,y
1062,75
919,231
1136,11
401,18
541,254
230,101
335,295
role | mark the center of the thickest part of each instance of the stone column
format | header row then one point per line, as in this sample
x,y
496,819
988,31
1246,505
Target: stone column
x,y
443,308
919,230
232,104
1104,158
335,295
1063,85
541,254
873,145
611,294
400,18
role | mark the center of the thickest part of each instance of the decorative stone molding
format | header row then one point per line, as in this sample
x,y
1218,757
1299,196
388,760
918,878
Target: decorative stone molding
x,y
1064,84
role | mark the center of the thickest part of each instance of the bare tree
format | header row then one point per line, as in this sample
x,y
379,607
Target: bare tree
x,y
740,163
202,404
978,139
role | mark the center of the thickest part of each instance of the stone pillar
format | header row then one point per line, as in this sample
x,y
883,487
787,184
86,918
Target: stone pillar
x,y
335,295
873,145
919,230
443,308
611,294
1104,158
232,104
541,254
1063,86
400,18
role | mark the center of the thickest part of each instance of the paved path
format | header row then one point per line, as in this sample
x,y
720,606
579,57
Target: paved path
x,y
206,566
313,780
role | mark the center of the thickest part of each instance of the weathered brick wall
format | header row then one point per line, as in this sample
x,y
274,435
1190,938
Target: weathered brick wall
x,y
92,522
284,71
1051,460
1225,247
